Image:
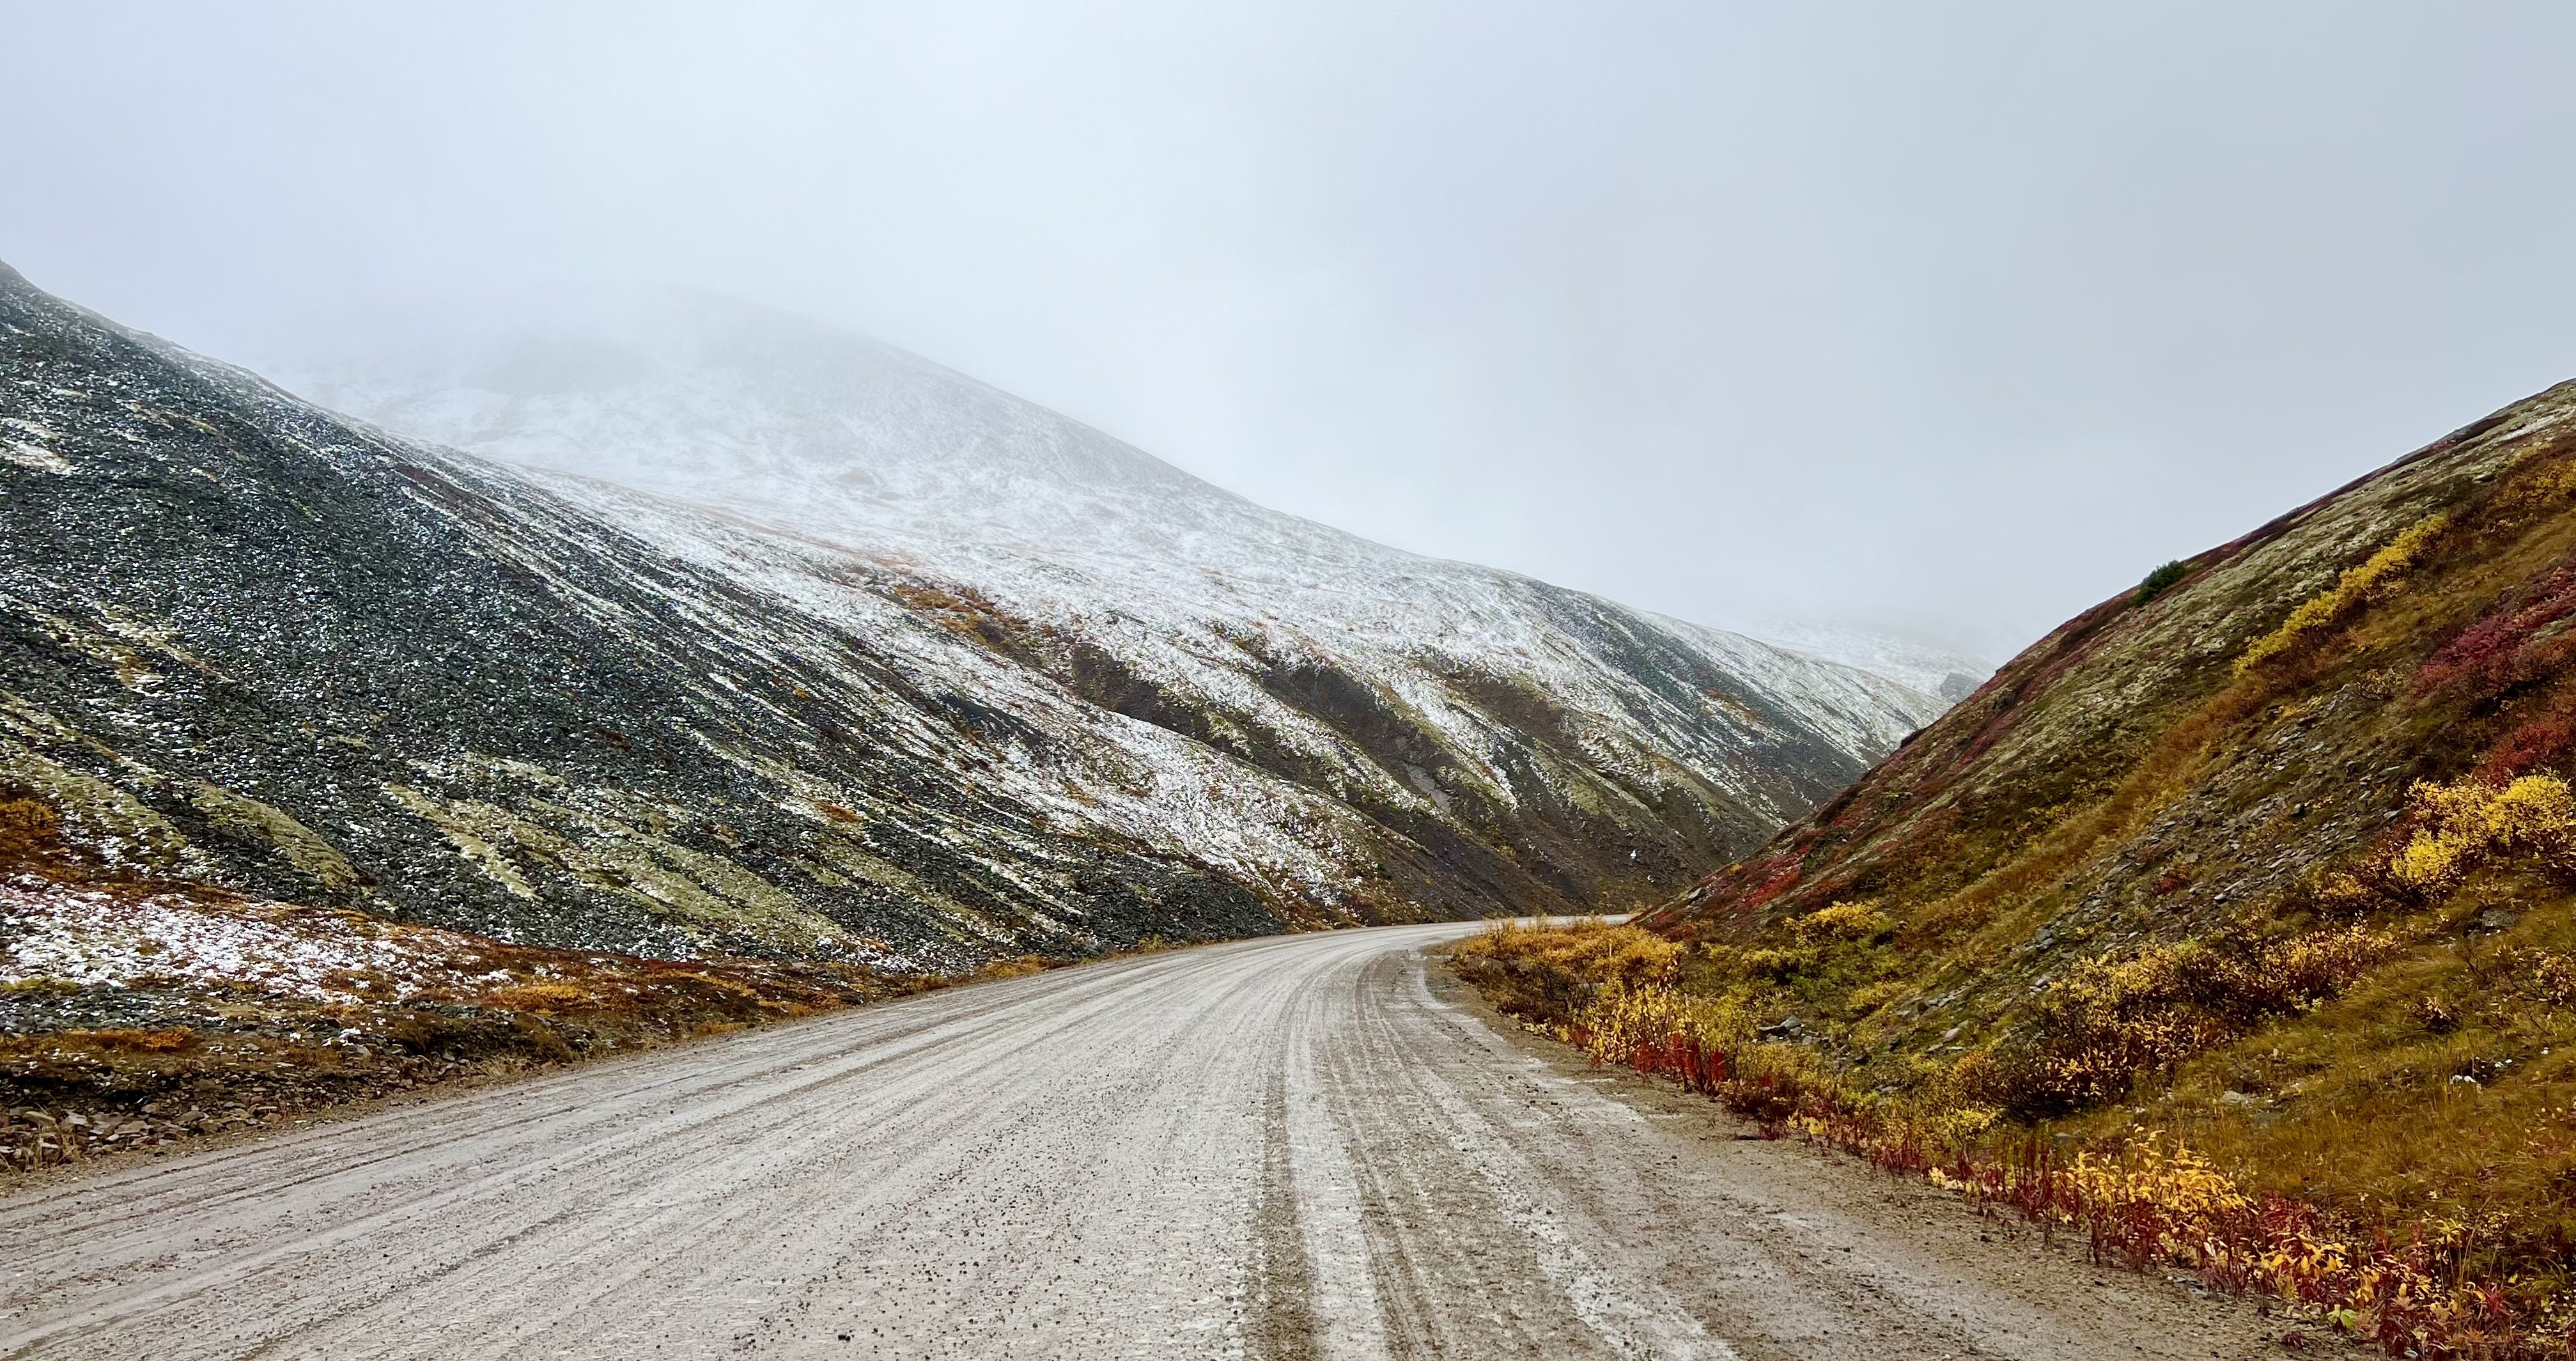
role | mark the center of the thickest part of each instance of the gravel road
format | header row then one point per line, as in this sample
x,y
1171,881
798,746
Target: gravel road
x,y
1304,1146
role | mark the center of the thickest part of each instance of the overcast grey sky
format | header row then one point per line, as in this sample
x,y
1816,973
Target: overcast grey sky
x,y
1948,319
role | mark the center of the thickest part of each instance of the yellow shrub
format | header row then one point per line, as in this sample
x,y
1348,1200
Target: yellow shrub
x,y
29,832
1946,1122
1621,1021
2538,487
1592,950
2377,575
1775,964
1865,1000
2544,974
139,1041
1841,921
2110,1021
2463,824
1548,974
2182,1184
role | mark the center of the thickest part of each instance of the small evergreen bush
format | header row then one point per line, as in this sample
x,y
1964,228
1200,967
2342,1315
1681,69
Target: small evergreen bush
x,y
2160,578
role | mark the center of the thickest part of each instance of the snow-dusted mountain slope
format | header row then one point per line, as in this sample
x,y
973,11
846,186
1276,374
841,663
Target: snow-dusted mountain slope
x,y
780,641
1951,675
838,438
1129,581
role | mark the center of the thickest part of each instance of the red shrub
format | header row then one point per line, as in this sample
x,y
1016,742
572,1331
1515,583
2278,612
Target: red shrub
x,y
2502,648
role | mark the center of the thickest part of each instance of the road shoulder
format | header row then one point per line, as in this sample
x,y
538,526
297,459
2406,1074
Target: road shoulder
x,y
1989,1248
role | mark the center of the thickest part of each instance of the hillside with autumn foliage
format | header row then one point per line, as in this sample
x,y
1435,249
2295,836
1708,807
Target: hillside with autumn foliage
x,y
2310,781
2270,860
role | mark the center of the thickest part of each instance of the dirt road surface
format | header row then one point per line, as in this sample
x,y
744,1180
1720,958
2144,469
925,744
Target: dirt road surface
x,y
1308,1146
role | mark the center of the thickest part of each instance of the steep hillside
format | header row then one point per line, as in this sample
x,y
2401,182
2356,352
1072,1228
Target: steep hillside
x,y
2254,886
2248,737
2272,855
249,645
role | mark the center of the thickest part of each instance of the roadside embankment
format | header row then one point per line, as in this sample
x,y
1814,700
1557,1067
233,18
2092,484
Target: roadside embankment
x,y
140,1016
2145,1201
135,1016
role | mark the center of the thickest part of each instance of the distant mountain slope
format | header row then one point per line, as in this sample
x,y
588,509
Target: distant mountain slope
x,y
1953,676
246,643
2273,853
933,475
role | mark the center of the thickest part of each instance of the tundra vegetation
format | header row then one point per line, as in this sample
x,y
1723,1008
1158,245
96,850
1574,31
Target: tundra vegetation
x,y
2233,924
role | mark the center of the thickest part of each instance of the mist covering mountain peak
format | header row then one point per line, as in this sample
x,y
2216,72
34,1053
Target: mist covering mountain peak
x,y
728,403
816,430
682,627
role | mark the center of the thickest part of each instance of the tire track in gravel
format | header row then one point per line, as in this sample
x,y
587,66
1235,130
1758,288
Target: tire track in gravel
x,y
1307,1147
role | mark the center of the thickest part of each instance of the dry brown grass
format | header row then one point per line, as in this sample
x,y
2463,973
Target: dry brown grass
x,y
540,997
1548,973
31,838
1018,966
162,1041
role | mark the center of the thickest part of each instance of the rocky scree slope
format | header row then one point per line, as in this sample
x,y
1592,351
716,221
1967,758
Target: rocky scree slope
x,y
251,646
2273,853
1540,744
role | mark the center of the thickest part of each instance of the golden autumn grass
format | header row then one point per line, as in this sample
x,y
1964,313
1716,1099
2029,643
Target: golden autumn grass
x,y
2420,1286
